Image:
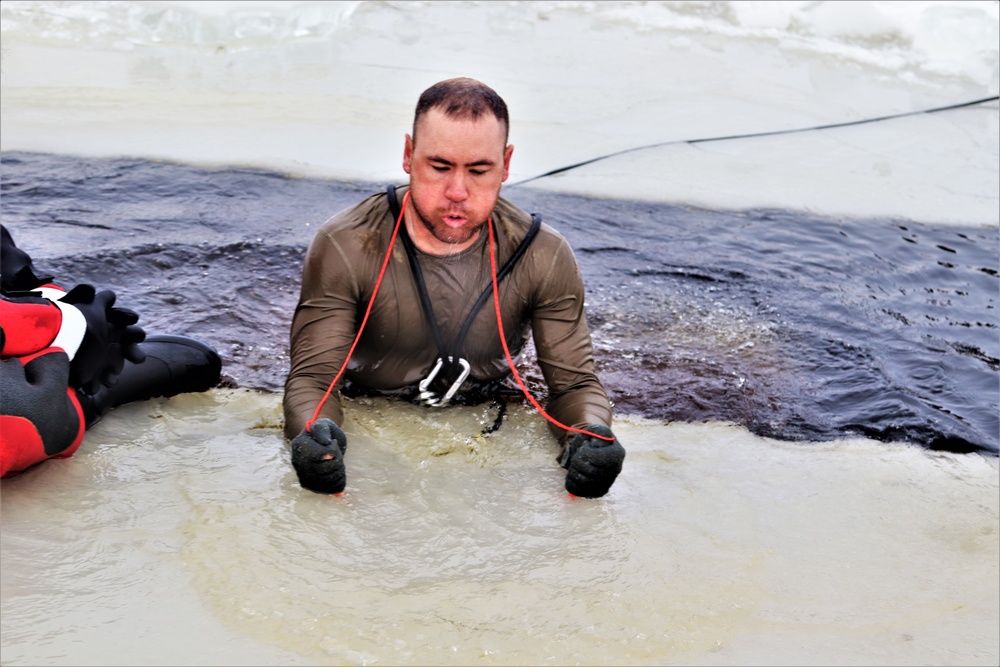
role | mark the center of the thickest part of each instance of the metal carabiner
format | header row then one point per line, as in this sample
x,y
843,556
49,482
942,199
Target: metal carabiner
x,y
431,398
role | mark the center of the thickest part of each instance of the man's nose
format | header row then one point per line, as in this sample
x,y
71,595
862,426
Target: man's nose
x,y
457,190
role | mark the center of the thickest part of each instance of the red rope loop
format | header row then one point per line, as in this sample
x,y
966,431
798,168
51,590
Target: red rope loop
x,y
503,338
510,359
364,321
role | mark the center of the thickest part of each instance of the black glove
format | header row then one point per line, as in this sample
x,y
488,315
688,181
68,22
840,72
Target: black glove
x,y
36,391
592,464
111,337
17,272
318,457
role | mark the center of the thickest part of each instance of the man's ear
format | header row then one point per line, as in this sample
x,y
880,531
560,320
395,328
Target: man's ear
x,y
507,152
408,154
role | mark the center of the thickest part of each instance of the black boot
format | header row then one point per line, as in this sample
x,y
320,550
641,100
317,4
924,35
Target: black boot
x,y
173,365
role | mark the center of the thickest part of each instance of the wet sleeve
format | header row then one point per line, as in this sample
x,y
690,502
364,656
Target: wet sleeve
x,y
323,328
564,347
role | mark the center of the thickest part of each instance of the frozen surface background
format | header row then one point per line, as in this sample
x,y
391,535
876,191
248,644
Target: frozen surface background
x,y
327,88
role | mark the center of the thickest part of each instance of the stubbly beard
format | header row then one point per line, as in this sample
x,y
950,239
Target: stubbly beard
x,y
446,234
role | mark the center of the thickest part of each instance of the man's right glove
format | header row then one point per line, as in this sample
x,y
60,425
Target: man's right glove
x,y
592,464
318,457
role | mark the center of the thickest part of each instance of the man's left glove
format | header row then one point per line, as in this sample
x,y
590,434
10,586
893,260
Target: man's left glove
x,y
592,464
111,337
318,457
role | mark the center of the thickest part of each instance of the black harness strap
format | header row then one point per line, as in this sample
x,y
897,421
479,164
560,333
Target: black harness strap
x,y
425,300
418,275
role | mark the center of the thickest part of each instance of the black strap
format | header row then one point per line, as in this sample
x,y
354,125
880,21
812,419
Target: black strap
x,y
418,275
425,300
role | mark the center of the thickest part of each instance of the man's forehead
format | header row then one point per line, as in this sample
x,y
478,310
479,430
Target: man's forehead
x,y
437,119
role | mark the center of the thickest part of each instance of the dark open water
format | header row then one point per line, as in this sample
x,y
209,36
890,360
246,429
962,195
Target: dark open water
x,y
797,327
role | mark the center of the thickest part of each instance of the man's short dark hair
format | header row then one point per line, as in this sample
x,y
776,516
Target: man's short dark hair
x,y
463,98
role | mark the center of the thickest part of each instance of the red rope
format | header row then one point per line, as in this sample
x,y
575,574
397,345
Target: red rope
x,y
510,360
371,302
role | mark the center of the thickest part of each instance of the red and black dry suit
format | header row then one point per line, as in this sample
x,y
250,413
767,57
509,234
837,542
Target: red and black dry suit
x,y
41,414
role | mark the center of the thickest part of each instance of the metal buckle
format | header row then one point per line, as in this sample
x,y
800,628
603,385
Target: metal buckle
x,y
431,398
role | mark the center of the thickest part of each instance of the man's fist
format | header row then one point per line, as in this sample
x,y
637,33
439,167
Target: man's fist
x,y
318,457
592,464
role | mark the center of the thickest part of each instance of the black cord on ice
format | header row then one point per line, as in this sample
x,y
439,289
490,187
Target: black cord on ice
x,y
757,134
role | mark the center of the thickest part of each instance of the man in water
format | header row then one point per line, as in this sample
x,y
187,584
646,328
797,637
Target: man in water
x,y
426,336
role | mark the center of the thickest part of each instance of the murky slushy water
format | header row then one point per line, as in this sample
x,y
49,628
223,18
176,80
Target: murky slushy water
x,y
181,532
